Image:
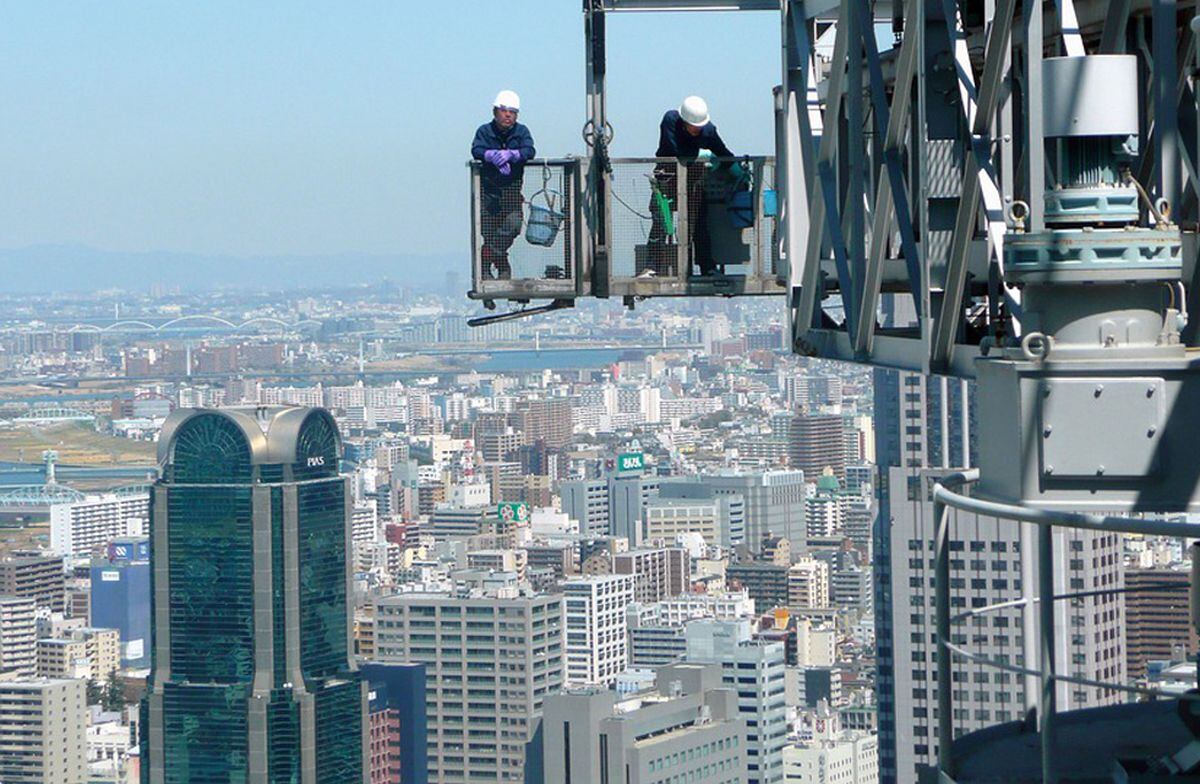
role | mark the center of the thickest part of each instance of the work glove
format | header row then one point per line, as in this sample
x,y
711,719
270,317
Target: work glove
x,y
494,157
505,159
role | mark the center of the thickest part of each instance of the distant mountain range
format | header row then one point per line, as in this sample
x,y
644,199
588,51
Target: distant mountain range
x,y
50,268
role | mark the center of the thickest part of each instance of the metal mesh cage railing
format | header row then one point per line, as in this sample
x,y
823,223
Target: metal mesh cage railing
x,y
767,241
676,219
524,234
644,239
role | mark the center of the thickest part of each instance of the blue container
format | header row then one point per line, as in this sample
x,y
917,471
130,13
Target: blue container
x,y
544,223
770,204
741,208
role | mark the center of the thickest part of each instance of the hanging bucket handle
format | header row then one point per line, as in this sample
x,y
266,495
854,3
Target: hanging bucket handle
x,y
548,194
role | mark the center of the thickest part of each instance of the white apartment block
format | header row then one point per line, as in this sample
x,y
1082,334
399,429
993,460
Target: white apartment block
x,y
730,606
364,523
77,527
490,661
597,648
18,637
808,584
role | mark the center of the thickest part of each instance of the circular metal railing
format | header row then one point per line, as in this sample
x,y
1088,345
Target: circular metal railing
x,y
944,499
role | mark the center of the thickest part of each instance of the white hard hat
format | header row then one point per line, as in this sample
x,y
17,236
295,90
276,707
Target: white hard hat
x,y
694,111
507,99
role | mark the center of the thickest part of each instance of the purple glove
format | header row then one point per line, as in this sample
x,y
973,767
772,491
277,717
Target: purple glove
x,y
494,157
514,156
504,167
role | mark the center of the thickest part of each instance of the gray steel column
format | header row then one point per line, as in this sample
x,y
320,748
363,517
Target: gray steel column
x,y
941,586
1035,150
1165,75
594,42
1029,615
1048,664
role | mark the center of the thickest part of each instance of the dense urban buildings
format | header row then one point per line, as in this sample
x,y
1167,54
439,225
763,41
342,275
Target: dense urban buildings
x,y
513,542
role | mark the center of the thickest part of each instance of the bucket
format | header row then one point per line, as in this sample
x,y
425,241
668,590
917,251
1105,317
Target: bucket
x,y
543,225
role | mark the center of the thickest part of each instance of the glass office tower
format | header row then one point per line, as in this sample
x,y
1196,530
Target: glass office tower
x,y
252,678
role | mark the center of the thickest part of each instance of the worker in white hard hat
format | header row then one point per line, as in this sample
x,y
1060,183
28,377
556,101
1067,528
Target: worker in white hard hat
x,y
683,133
502,147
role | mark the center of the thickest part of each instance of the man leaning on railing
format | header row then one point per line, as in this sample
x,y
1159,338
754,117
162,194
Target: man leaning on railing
x,y
503,147
683,133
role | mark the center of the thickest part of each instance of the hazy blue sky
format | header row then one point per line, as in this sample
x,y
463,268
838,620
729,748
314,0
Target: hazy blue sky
x,y
261,127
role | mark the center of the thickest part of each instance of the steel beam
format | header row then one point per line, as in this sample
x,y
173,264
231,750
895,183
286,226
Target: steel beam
x,y
797,153
1112,40
892,193
1165,77
977,179
1048,709
1034,147
689,5
599,210
822,202
1069,27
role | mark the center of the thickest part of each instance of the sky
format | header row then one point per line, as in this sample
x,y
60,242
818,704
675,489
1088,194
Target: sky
x,y
302,128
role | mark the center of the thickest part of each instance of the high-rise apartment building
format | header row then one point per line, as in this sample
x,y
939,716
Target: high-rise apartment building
x,y
766,583
545,420
808,585
37,577
253,676
818,442
756,669
18,637
490,661
43,725
597,648
397,718
1158,620
78,527
93,654
658,573
689,729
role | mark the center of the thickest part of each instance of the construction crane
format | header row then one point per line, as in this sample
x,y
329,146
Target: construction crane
x,y
1010,194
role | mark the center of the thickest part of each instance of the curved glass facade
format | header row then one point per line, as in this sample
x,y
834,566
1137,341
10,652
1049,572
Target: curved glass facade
x,y
243,679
